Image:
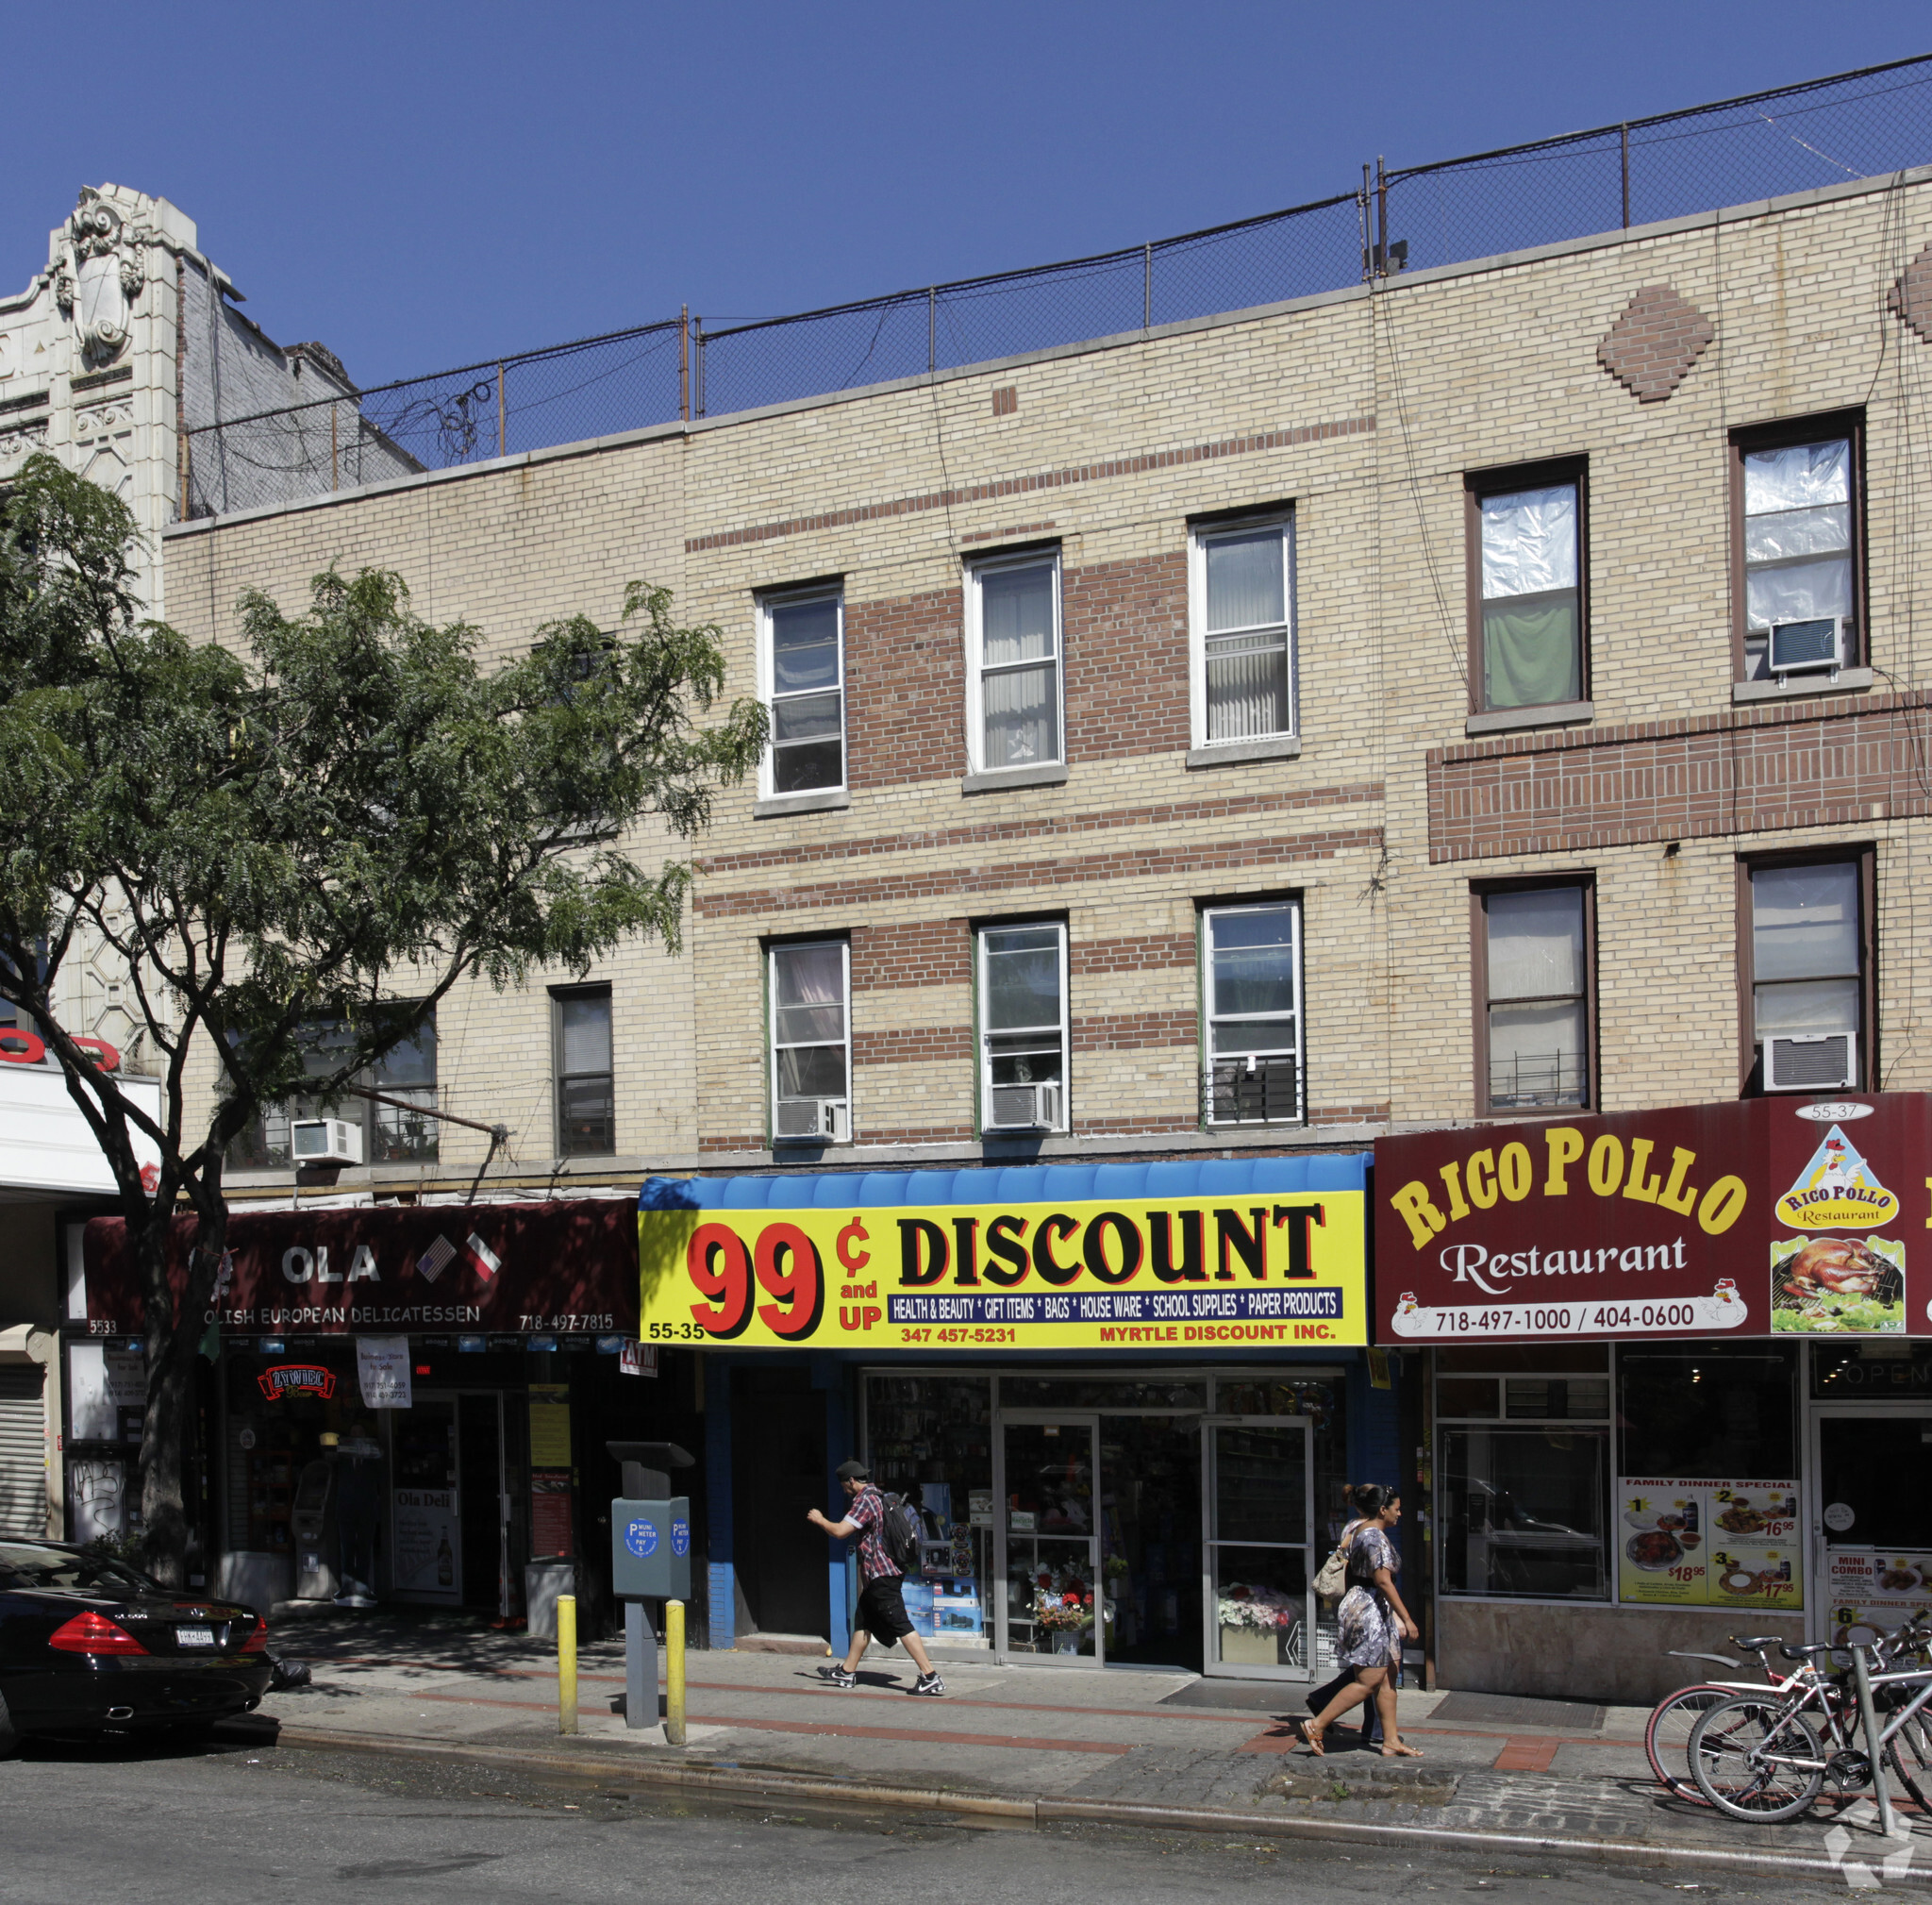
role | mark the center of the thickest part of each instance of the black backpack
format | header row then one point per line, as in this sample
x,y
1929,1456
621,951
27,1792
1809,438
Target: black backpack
x,y
899,1531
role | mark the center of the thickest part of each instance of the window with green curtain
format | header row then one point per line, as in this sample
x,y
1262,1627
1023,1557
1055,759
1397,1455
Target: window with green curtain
x,y
1531,607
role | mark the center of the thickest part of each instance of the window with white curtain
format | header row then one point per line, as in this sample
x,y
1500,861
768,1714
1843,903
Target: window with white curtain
x,y
1531,607
1797,541
811,1041
1013,639
1537,1018
1241,613
802,656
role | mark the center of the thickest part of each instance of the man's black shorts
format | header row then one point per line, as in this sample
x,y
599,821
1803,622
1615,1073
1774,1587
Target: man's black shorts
x,y
882,1610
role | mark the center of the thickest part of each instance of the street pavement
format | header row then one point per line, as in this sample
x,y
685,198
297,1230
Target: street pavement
x,y
1020,1753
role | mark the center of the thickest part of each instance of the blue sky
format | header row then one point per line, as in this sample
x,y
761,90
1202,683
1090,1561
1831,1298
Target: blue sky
x,y
420,185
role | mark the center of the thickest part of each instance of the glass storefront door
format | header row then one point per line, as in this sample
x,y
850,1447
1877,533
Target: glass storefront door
x,y
1870,1507
1054,1599
1259,1506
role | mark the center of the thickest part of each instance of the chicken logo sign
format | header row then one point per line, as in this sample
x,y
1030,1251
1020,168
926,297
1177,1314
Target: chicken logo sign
x,y
1821,1279
1837,1191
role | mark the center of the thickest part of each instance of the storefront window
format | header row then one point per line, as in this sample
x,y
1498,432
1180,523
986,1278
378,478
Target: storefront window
x,y
1709,1412
1098,1392
1524,1505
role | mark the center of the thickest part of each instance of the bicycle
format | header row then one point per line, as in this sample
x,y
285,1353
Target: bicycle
x,y
1762,1756
1667,1733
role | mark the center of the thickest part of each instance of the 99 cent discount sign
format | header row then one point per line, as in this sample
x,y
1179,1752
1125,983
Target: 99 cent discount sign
x,y
1257,1264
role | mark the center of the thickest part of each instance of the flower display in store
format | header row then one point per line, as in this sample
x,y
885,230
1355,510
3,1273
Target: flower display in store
x,y
1245,1606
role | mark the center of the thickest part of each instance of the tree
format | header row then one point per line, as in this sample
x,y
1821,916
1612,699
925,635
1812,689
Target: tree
x,y
270,839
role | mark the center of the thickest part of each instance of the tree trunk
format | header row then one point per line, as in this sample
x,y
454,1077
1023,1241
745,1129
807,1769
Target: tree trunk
x,y
172,1339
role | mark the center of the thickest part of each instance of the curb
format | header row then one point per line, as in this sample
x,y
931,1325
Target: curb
x,y
729,1782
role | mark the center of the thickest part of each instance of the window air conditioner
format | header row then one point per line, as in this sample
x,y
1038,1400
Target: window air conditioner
x,y
1027,1108
1797,647
326,1140
815,1120
1820,1061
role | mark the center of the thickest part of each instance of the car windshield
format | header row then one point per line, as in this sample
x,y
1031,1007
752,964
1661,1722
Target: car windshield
x,y
27,1565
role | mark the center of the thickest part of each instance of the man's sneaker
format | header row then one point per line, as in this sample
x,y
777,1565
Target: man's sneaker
x,y
837,1675
929,1684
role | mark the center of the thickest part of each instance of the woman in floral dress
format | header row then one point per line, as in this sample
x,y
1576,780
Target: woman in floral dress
x,y
1374,1623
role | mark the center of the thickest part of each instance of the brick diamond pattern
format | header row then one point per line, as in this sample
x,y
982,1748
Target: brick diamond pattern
x,y
1650,349
1912,295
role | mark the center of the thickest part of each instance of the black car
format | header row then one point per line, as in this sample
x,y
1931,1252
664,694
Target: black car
x,y
89,1645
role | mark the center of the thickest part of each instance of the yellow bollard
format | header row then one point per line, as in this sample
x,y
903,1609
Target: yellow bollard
x,y
566,1664
673,1673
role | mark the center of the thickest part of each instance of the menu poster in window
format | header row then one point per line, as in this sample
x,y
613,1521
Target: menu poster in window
x,y
550,1425
1707,1543
550,1524
1876,1590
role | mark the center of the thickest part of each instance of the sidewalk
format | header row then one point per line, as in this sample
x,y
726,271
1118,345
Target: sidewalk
x,y
1046,1742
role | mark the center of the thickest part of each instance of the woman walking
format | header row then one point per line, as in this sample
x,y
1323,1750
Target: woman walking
x,y
1372,1621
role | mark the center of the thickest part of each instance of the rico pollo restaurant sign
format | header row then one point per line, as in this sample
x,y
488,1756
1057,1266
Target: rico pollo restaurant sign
x,y
1763,1217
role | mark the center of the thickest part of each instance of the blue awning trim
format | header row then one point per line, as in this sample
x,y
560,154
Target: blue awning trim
x,y
1010,1184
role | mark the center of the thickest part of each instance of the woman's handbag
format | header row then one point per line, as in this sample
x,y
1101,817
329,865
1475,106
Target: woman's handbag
x,y
1331,1582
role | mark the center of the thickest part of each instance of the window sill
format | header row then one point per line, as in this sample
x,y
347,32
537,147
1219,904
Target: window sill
x,y
1803,687
832,801
1048,774
1233,753
1551,714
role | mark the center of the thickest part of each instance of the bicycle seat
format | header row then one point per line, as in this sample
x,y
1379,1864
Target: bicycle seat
x,y
1756,1643
1810,1649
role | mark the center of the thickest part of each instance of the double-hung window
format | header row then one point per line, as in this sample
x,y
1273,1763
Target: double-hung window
x,y
1808,975
585,1096
1022,1027
1528,577
804,658
809,989
1014,686
1253,980
1241,609
400,1131
1795,496
1534,961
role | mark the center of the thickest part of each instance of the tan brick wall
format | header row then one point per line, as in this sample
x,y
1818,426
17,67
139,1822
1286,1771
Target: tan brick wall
x,y
1363,412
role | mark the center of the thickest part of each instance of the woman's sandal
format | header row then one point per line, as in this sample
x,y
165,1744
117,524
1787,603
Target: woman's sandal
x,y
1402,1752
1311,1738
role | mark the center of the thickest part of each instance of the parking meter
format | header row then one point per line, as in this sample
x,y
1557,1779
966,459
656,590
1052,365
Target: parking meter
x,y
650,1561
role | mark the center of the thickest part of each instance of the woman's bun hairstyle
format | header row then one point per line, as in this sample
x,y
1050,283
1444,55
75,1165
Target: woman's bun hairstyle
x,y
1371,1497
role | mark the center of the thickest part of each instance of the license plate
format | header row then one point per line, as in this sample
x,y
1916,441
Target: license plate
x,y
194,1637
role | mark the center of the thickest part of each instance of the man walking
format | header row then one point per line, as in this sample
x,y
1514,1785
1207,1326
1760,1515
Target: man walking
x,y
881,1611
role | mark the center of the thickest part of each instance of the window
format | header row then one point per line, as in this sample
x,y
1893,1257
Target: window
x,y
1708,1412
1528,569
394,1133
585,1097
1253,985
803,653
1243,614
1524,1482
811,1042
1809,974
1795,503
1022,1015
1533,956
1013,645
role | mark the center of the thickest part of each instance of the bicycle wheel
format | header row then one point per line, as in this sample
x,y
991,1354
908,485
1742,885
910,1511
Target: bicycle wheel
x,y
1666,1737
1908,1753
1753,1760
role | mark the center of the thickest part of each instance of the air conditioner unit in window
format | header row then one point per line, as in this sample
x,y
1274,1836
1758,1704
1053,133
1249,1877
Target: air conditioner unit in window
x,y
324,1141
1821,1062
1027,1108
1798,646
814,1121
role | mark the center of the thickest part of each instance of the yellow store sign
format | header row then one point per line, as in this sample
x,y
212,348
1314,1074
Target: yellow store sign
x,y
1265,1266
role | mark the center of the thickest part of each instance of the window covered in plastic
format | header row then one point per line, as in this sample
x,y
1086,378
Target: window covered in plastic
x,y
1531,608
1798,541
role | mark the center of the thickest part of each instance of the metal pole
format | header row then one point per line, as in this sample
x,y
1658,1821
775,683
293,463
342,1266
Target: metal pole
x,y
1624,141
1368,242
673,1673
698,366
334,472
640,1668
932,330
1868,1715
502,434
1147,288
1381,219
684,364
566,1664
